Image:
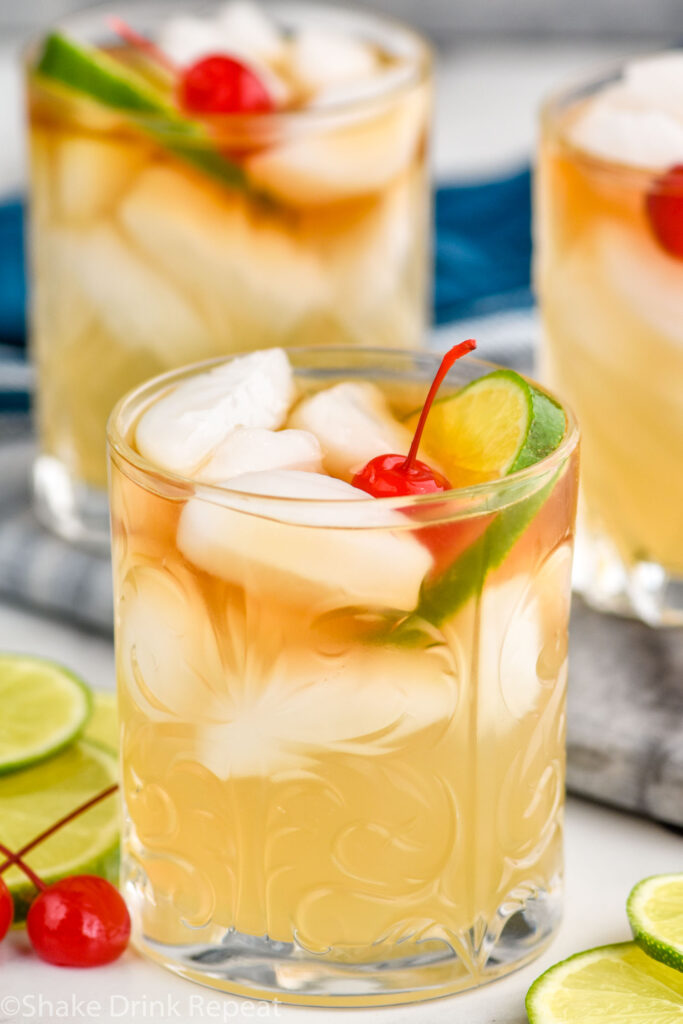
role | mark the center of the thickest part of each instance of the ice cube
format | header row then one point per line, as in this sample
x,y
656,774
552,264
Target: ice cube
x,y
364,701
253,449
353,423
184,428
647,280
614,127
250,31
186,39
658,81
91,174
523,643
263,541
319,58
168,656
253,279
356,158
136,305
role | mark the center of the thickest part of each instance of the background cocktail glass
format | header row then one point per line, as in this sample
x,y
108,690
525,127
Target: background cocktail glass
x,y
340,787
612,311
151,248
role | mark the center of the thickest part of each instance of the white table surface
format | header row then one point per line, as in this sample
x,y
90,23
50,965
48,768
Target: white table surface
x,y
485,121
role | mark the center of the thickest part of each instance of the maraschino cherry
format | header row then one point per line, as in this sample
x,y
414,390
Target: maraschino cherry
x,y
393,476
216,84
6,910
79,921
664,205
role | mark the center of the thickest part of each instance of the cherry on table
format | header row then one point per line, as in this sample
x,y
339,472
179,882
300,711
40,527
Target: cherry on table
x,y
219,84
664,206
395,476
6,909
81,921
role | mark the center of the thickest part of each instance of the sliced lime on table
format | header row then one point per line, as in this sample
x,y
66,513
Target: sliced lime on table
x,y
655,911
33,799
610,985
102,727
494,426
43,707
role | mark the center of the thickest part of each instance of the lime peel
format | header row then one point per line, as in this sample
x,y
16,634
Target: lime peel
x,y
607,985
655,913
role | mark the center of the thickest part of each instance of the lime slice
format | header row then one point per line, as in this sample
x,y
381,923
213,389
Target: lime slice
x,y
655,910
608,985
33,799
494,426
44,707
102,727
99,77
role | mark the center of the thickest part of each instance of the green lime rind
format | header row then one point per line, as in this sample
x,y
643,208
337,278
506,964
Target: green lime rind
x,y
655,913
97,76
33,799
102,726
43,708
546,429
442,596
607,985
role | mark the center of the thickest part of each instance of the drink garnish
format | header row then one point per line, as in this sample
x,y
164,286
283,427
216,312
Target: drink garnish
x,y
391,476
664,207
214,84
77,921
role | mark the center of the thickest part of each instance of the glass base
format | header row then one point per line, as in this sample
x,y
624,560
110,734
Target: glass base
x,y
258,968
68,507
642,590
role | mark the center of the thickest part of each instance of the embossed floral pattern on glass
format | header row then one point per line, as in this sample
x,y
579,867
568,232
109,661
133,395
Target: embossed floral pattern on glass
x,y
330,802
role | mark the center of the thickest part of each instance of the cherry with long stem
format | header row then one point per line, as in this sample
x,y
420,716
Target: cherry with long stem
x,y
393,476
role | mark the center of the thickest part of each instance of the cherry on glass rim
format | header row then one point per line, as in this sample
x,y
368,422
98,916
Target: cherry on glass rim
x,y
219,84
664,206
394,476
80,921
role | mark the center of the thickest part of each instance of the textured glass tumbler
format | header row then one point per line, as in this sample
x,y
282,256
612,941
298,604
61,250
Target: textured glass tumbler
x,y
155,243
343,731
610,299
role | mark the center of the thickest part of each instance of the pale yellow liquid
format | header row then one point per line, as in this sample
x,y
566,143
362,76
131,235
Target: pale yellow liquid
x,y
612,306
142,263
286,776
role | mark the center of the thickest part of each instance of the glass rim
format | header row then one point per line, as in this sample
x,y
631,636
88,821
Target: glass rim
x,y
419,67
476,494
560,98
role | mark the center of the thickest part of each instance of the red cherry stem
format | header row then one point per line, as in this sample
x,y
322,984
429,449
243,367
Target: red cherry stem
x,y
140,42
446,363
16,858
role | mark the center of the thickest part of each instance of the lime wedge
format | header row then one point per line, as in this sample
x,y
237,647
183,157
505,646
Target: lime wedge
x,y
494,426
608,985
43,707
102,727
97,76
655,911
33,799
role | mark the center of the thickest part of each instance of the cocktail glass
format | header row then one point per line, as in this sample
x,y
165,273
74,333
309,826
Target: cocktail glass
x,y
342,723
158,239
613,346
